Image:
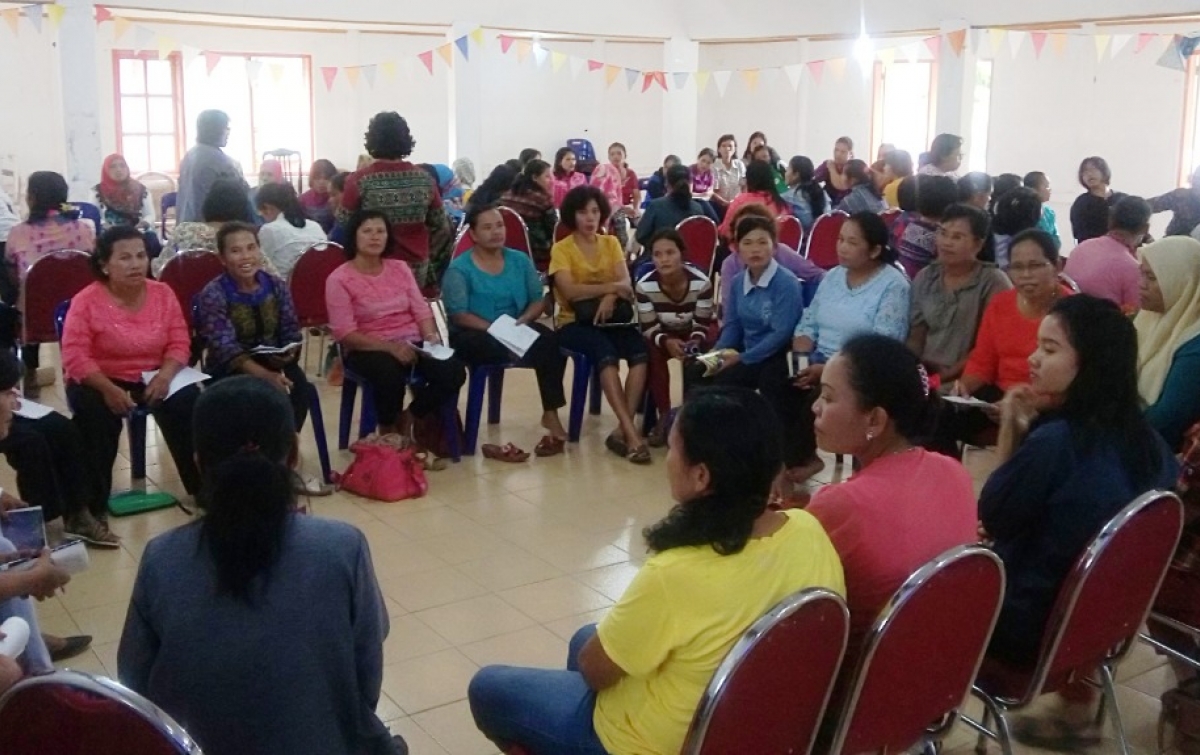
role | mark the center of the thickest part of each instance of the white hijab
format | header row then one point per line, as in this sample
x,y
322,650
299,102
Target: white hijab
x,y
1175,261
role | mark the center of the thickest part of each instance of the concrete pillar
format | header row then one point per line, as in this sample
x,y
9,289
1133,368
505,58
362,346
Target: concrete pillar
x,y
955,85
803,91
465,95
80,96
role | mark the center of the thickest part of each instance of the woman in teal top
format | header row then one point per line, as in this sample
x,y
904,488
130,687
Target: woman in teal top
x,y
488,281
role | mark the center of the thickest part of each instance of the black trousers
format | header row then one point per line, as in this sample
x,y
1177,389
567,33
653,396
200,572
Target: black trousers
x,y
298,396
101,429
49,457
963,424
545,357
792,405
388,380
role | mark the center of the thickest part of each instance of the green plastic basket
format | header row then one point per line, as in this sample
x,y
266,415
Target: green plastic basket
x,y
131,502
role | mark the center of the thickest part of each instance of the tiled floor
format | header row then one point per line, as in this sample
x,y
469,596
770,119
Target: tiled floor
x,y
500,563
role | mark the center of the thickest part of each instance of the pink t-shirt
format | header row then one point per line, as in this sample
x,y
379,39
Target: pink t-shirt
x,y
102,336
387,306
563,185
889,520
1106,268
29,242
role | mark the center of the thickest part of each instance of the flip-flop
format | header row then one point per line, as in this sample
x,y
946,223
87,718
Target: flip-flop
x,y
639,455
549,446
615,443
507,453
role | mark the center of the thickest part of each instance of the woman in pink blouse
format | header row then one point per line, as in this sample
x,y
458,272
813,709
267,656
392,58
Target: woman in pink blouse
x,y
120,328
379,316
620,186
565,175
704,181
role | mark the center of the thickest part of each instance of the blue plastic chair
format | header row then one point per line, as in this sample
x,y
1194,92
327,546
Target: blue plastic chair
x,y
89,211
483,378
584,374
168,202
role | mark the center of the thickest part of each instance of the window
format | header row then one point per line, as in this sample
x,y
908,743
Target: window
x,y
977,142
149,111
1190,154
903,108
269,102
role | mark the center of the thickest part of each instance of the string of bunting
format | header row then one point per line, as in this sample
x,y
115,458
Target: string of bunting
x,y
1176,49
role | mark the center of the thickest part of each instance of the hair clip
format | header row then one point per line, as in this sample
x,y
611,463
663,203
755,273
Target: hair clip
x,y
249,447
924,374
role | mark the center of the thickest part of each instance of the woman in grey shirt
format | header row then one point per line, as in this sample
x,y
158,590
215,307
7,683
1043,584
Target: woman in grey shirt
x,y
258,628
948,297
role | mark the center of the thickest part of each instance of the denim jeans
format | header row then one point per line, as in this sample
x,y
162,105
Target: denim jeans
x,y
546,712
36,658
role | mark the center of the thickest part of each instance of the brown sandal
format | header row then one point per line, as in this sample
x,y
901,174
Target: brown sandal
x,y
507,453
639,455
549,446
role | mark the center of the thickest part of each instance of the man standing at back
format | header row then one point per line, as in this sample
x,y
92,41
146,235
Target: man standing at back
x,y
203,165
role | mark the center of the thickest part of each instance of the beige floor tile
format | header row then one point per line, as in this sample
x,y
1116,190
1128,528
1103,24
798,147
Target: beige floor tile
x,y
581,554
1141,658
387,710
403,559
97,588
475,619
429,681
454,729
411,638
511,568
536,646
609,581
554,599
87,662
467,544
566,628
425,523
58,623
496,509
427,589
107,653
103,623
419,742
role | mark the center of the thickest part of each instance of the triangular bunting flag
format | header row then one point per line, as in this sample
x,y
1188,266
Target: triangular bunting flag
x,y
13,17
957,40
631,77
211,59
750,76
594,65
33,13
1119,43
329,74
1059,42
1039,41
427,60
702,78
577,64
837,67
254,69
793,73
557,60
524,47
816,68
934,45
887,56
661,78
120,26
165,46
505,43
477,37
277,72
1144,39
539,55
102,14
447,53
1102,42
463,45
389,69
681,79
55,14
721,79
189,54
1172,57
610,74
352,73
996,40
369,75
1015,38
647,79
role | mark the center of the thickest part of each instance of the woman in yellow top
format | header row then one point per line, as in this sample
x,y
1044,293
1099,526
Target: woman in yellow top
x,y
588,274
721,559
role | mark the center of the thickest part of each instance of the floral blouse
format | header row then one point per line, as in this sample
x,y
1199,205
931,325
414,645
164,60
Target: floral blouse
x,y
30,241
232,323
620,192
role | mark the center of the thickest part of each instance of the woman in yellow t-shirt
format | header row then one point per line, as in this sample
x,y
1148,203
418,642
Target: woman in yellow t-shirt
x,y
587,269
721,559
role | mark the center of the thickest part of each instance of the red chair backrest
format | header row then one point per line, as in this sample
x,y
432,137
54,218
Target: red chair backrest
x,y
700,236
919,659
560,232
770,692
791,232
516,235
822,243
463,242
51,280
1107,596
889,218
72,713
187,273
307,284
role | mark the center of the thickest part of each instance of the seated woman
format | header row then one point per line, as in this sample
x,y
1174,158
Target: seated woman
x,y
730,174
225,203
657,186
53,225
632,683
489,281
1016,210
379,316
123,200
1074,449
267,580
565,175
863,294
1090,210
832,174
1107,266
948,298
760,189
904,506
704,181
917,234
287,233
668,212
620,185
589,267
789,259
945,156
865,195
1168,328
765,154
499,181
675,309
530,198
1184,205
898,165
804,196
316,201
119,328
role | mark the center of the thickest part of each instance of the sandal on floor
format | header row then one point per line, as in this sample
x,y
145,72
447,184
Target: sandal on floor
x,y
507,453
549,446
639,455
616,443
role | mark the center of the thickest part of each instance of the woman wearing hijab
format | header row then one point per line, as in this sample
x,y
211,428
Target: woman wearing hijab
x,y
464,171
451,191
270,172
1168,328
204,165
123,200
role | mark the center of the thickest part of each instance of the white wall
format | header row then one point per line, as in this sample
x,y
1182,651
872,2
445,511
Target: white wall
x,y
31,122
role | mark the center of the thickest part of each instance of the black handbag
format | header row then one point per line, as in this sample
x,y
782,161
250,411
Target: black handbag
x,y
586,309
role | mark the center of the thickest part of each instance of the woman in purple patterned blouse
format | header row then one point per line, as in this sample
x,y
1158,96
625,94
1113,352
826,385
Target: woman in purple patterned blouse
x,y
704,182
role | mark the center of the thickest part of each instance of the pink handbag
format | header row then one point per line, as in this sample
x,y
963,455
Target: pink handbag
x,y
384,472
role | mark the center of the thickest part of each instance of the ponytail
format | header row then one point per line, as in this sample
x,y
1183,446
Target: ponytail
x,y
709,520
816,197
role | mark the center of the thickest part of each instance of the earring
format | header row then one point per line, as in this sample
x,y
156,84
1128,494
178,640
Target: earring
x,y
870,436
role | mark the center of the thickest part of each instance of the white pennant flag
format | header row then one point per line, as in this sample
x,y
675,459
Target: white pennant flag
x,y
577,63
253,69
1119,43
681,79
539,55
912,52
1015,38
189,54
722,80
793,73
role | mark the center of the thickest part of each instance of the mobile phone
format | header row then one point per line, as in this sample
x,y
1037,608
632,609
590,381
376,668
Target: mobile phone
x,y
25,528
797,363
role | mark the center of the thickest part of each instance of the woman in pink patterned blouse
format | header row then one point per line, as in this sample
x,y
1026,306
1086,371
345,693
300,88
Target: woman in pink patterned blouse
x,y
123,342
565,175
620,185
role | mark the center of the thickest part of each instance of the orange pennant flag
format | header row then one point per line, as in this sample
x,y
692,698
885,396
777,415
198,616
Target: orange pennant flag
x,y
447,53
352,73
1059,43
120,26
750,76
957,40
610,74
524,47
13,17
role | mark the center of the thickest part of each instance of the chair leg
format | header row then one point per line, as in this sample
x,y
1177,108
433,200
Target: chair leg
x,y
366,420
476,383
1110,694
495,394
318,426
137,444
594,395
579,387
346,413
450,429
650,416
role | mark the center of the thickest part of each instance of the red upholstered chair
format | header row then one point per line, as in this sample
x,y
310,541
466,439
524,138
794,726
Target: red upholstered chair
x,y
463,242
919,658
187,273
72,713
560,232
791,232
770,692
307,282
822,242
51,280
516,235
889,218
700,236
1095,619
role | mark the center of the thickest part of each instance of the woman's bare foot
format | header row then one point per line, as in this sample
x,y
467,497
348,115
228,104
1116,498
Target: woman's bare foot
x,y
553,425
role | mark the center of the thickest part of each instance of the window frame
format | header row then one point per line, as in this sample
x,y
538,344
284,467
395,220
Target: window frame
x,y
877,97
177,102
1191,126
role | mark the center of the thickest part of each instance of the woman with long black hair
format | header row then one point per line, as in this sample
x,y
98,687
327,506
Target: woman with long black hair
x,y
288,232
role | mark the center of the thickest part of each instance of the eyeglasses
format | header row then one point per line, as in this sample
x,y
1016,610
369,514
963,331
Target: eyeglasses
x,y
1031,267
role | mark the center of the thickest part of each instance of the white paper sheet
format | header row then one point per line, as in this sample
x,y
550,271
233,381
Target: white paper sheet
x,y
516,337
290,348
32,409
970,401
436,351
185,377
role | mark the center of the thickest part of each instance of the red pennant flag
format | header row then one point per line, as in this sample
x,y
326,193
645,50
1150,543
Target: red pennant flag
x,y
595,65
505,43
427,58
1144,39
647,79
934,45
103,14
329,73
211,59
661,78
816,68
958,40
1039,41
